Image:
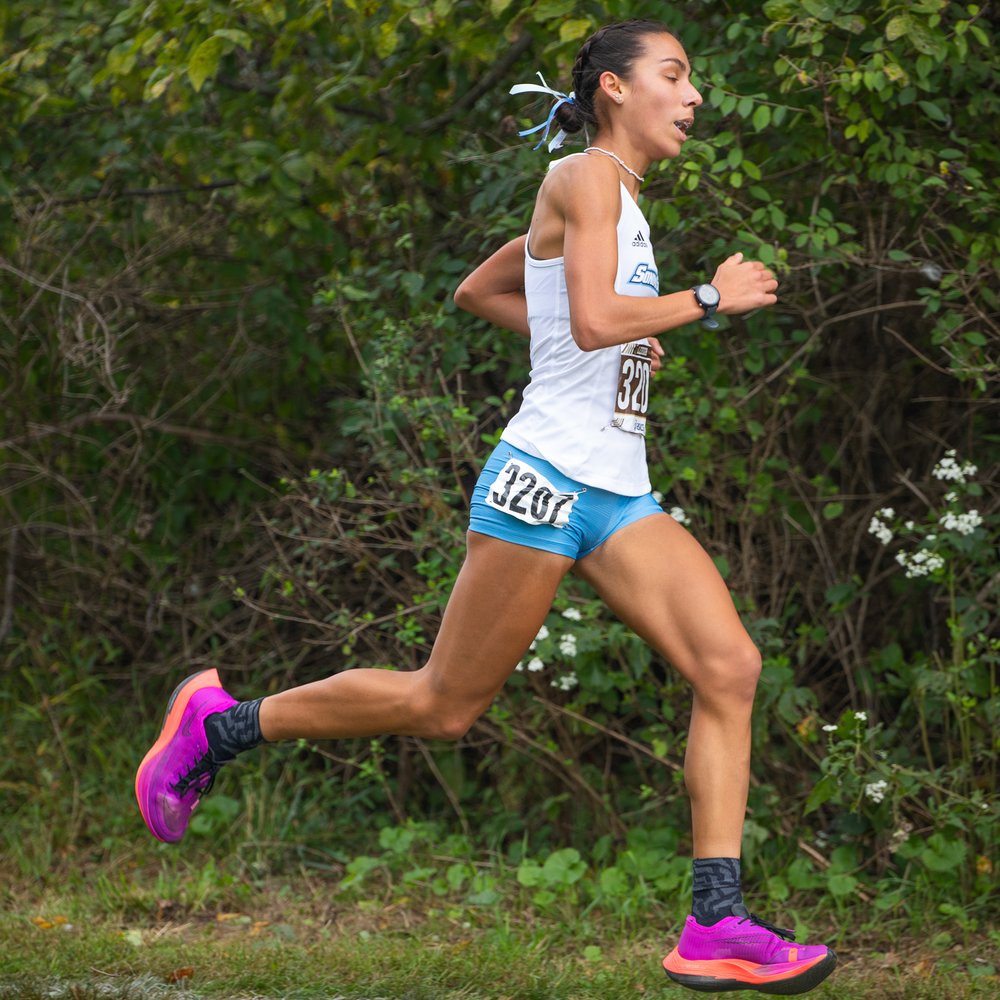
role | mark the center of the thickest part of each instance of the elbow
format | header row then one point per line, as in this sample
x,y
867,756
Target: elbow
x,y
586,335
463,297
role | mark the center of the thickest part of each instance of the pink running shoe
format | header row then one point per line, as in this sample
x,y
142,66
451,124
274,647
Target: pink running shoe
x,y
743,952
179,767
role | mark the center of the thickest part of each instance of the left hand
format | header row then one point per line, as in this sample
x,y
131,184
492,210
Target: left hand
x,y
656,362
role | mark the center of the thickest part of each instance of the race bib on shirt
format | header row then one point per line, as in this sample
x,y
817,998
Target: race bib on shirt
x,y
632,396
524,493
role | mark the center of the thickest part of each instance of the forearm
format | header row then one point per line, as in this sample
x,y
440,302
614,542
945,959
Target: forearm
x,y
495,290
508,310
621,319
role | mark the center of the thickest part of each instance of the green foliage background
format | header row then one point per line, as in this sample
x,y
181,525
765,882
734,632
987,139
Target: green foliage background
x,y
241,419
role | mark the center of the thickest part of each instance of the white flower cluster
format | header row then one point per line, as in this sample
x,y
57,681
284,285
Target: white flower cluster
x,y
567,645
677,513
876,790
543,634
830,728
567,682
534,665
861,716
919,563
572,614
949,469
879,528
964,524
900,836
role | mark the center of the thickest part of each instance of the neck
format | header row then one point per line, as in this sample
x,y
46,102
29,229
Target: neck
x,y
636,162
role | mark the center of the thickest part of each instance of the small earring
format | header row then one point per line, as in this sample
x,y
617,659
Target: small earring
x,y
619,99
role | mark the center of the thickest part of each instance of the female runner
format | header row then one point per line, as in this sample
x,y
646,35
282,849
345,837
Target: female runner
x,y
567,488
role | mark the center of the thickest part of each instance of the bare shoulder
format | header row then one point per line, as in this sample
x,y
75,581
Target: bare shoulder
x,y
584,184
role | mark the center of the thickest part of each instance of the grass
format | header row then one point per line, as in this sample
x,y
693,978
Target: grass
x,y
257,906
105,934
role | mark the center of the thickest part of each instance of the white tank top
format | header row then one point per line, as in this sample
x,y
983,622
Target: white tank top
x,y
584,411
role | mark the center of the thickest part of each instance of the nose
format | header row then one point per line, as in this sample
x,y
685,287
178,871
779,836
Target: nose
x,y
694,98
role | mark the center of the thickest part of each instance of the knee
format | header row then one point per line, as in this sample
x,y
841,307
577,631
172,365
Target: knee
x,y
438,717
729,675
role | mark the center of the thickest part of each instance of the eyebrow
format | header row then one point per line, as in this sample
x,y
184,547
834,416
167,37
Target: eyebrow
x,y
680,62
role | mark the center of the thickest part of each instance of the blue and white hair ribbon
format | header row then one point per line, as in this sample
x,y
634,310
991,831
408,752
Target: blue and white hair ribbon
x,y
561,99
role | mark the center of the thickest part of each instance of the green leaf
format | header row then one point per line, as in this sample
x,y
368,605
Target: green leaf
x,y
942,854
761,117
899,255
237,37
547,10
570,31
832,511
898,26
933,111
824,790
840,884
780,10
825,10
298,168
204,62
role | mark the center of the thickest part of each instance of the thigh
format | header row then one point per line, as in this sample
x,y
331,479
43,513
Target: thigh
x,y
500,600
660,582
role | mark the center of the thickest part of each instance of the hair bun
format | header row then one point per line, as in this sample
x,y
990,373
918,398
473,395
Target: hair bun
x,y
570,117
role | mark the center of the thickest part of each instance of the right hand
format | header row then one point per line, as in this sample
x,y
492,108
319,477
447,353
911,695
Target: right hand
x,y
744,285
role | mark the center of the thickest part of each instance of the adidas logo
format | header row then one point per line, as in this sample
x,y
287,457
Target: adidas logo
x,y
639,241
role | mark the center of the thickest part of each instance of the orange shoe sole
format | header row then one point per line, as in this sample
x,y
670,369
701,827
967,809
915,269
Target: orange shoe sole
x,y
718,975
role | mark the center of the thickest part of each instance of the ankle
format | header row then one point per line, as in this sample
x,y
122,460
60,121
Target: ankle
x,y
716,889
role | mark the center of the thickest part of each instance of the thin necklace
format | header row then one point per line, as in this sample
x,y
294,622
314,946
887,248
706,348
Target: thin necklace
x,y
617,159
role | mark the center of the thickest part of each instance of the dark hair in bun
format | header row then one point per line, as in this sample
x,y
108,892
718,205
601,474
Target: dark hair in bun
x,y
612,49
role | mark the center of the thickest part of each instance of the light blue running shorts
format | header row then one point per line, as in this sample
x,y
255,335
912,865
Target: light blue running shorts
x,y
526,500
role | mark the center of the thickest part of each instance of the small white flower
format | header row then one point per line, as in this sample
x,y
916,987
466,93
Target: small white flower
x,y
900,836
950,497
964,524
881,531
887,513
657,496
949,470
861,716
909,526
572,614
921,562
543,633
876,790
567,645
535,664
567,682
520,667
679,516
830,729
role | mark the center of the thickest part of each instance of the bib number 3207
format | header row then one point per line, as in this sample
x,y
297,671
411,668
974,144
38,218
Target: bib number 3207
x,y
524,493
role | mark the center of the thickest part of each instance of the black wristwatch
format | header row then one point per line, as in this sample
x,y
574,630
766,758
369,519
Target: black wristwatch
x,y
707,296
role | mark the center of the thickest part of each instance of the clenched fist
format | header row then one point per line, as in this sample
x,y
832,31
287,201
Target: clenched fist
x,y
744,285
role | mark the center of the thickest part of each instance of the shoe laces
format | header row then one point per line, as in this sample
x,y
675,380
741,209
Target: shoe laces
x,y
199,777
782,932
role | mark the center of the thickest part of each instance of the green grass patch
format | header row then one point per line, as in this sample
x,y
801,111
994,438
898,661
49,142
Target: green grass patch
x,y
299,939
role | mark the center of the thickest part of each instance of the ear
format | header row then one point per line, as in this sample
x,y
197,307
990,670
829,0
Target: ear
x,y
612,86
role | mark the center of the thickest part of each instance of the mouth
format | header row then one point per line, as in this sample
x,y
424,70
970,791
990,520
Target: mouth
x,y
684,126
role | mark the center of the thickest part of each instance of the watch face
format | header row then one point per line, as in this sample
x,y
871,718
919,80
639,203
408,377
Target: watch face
x,y
708,295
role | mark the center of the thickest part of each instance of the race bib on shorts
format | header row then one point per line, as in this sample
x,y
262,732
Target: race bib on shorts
x,y
524,493
632,397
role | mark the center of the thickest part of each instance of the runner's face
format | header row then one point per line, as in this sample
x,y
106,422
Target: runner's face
x,y
659,97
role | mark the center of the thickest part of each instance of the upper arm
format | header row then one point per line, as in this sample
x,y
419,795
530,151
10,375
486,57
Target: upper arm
x,y
591,205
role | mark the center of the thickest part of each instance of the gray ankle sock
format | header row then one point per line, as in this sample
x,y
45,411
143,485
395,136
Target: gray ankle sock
x,y
716,889
234,730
